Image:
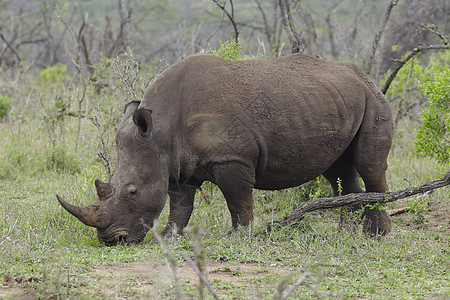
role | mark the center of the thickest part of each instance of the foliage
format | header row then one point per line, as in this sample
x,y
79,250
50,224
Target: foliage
x,y
433,135
419,74
229,50
55,74
417,208
5,106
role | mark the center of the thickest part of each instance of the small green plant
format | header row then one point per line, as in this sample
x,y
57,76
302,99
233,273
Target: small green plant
x,y
54,74
5,106
417,208
229,50
433,136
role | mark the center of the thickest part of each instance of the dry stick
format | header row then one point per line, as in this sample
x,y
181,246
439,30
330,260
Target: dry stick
x,y
170,260
357,199
377,37
302,281
230,16
201,276
433,29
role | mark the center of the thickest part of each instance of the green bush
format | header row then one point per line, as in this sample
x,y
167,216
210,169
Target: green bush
x,y
5,106
54,74
433,136
229,50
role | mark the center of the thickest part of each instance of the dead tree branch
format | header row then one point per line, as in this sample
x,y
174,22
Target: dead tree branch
x,y
330,10
377,37
10,47
416,51
296,38
401,63
221,5
357,199
432,28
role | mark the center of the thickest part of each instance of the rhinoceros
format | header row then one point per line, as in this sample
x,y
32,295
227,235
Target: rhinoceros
x,y
268,124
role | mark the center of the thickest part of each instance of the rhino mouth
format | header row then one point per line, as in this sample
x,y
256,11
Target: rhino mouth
x,y
120,238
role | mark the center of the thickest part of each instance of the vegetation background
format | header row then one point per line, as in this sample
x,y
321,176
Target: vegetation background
x,y
68,68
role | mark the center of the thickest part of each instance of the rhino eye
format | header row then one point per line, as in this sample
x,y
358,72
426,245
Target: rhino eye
x,y
132,191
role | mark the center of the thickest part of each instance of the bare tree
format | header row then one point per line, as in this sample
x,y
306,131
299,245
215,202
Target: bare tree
x,y
377,37
331,27
222,5
296,38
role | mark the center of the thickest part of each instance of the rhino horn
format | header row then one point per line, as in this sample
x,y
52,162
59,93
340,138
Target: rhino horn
x,y
104,189
90,215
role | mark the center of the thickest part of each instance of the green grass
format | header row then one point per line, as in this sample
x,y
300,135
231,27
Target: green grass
x,y
40,240
45,252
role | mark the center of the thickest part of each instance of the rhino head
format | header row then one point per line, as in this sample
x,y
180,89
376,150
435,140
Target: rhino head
x,y
136,194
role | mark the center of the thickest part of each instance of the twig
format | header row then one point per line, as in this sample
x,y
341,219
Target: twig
x,y
221,5
170,260
201,277
377,37
433,29
357,199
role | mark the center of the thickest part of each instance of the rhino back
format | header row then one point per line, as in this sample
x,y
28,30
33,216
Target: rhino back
x,y
290,118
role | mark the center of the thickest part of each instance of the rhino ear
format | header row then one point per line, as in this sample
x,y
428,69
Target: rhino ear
x,y
131,107
143,120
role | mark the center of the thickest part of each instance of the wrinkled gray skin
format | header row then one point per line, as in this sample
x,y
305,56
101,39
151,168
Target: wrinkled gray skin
x,y
267,124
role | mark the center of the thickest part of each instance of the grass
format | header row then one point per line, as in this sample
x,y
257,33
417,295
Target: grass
x,y
45,252
54,253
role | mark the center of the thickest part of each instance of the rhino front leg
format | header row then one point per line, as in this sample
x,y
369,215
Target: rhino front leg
x,y
181,206
236,182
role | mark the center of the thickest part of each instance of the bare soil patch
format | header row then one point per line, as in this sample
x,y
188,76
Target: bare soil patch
x,y
150,277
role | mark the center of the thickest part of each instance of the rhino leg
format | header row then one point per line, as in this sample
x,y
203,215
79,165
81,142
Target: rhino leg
x,y
371,149
181,206
344,179
236,182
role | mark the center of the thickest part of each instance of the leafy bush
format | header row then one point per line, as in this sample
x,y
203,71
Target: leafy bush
x,y
229,50
54,74
5,106
433,136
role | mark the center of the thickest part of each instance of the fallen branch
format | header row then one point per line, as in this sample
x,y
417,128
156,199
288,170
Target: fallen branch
x,y
357,199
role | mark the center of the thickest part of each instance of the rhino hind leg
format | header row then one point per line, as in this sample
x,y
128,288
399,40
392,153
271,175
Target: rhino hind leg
x,y
370,151
344,179
236,182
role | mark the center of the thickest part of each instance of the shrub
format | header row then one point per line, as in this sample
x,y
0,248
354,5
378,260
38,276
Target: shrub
x,y
433,136
5,106
229,50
